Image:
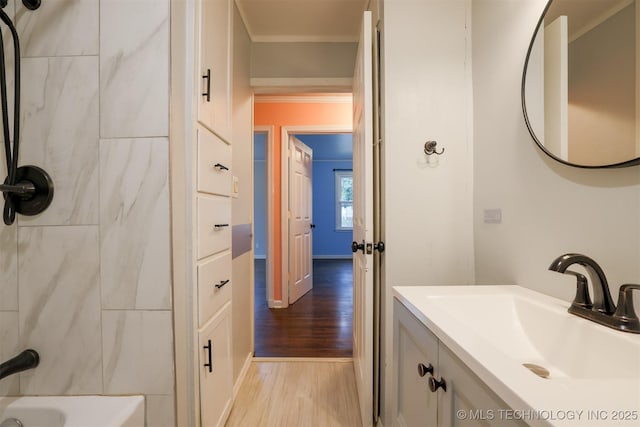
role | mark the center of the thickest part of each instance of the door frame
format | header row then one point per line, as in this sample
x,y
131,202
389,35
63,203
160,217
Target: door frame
x,y
284,186
270,232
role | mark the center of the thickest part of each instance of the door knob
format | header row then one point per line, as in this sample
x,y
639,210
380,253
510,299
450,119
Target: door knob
x,y
313,226
355,247
379,246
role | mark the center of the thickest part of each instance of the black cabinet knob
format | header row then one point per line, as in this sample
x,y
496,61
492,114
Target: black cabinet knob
x,y
424,370
434,384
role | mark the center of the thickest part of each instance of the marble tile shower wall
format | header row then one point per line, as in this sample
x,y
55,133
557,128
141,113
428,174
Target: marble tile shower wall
x,y
87,283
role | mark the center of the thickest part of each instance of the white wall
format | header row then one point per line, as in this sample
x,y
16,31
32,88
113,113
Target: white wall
x,y
428,210
303,59
547,208
88,282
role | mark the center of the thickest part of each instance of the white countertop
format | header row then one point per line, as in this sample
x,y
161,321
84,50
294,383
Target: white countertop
x,y
595,370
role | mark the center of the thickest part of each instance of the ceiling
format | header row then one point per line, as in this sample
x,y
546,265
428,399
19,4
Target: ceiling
x,y
302,20
584,15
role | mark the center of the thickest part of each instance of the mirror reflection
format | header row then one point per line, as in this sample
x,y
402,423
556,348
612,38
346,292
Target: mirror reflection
x,y
581,89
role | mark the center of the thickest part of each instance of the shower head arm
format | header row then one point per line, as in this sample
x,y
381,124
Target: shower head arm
x,y
29,4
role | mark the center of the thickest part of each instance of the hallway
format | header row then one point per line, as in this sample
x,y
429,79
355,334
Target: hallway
x,y
317,325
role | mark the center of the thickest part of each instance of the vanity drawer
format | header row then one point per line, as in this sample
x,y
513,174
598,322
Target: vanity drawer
x,y
214,286
214,164
214,225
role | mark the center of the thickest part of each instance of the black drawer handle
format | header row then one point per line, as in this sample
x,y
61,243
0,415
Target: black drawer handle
x,y
222,283
207,93
220,167
209,364
219,226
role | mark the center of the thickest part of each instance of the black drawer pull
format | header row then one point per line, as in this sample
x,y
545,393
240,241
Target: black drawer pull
x,y
222,283
207,93
218,226
220,167
209,364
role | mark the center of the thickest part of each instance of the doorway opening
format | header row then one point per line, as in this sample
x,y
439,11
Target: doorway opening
x,y
319,324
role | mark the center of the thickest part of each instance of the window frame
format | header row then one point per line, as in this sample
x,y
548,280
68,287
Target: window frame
x,y
339,175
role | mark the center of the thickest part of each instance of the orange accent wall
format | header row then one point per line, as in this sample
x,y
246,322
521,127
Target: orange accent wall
x,y
279,114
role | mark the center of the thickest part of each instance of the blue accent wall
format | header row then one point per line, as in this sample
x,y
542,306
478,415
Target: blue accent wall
x,y
259,192
329,152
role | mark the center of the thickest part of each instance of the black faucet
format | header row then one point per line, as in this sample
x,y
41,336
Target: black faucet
x,y
602,301
28,359
602,310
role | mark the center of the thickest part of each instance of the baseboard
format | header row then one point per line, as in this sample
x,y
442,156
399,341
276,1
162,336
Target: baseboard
x,y
242,375
332,256
264,257
277,304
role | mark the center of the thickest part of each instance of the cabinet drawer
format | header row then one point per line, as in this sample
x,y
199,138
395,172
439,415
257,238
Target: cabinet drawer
x,y
214,286
215,369
214,164
214,225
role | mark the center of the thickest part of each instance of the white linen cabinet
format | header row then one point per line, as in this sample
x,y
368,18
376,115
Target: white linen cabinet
x,y
212,226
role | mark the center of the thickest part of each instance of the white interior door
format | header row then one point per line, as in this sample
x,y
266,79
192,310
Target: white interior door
x,y
556,87
300,210
363,222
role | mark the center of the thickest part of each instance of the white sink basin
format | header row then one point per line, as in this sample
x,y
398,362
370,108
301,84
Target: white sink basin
x,y
497,329
544,334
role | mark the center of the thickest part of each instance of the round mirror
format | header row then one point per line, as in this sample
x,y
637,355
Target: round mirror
x,y
580,90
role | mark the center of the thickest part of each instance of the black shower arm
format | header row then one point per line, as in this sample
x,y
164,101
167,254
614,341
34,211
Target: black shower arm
x,y
19,188
29,4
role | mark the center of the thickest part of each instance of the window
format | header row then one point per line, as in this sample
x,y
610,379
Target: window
x,y
344,200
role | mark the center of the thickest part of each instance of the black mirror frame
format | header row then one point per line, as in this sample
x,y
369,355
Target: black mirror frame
x,y
632,162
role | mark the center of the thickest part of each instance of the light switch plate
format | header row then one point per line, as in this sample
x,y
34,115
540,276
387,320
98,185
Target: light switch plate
x,y
235,191
493,216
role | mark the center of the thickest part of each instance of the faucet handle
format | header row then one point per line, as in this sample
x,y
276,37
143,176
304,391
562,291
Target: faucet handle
x,y
625,313
582,298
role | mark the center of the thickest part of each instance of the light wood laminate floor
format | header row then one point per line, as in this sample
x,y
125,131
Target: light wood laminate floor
x,y
297,394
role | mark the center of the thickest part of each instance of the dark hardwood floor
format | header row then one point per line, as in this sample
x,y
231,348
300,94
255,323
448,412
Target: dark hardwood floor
x,y
317,325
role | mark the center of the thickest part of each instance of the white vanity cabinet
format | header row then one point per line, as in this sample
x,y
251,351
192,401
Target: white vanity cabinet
x,y
419,357
414,346
214,38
